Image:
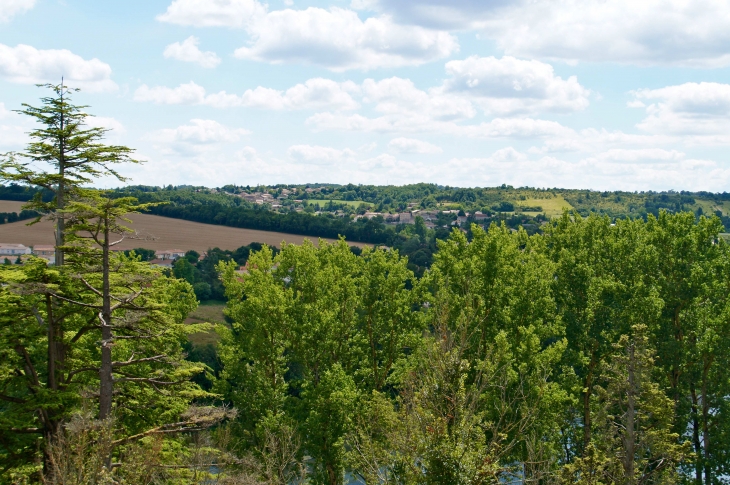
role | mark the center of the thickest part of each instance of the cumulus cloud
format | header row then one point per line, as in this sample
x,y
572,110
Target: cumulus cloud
x,y
195,136
411,145
27,65
188,51
612,169
510,85
334,38
189,93
216,13
400,97
338,39
320,155
687,109
649,32
315,93
11,8
496,128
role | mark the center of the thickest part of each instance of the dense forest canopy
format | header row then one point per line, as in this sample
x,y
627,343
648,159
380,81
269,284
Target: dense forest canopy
x,y
592,351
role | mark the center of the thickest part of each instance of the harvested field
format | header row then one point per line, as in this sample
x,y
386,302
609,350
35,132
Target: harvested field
x,y
156,232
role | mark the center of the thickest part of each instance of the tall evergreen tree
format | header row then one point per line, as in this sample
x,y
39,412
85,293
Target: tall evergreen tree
x,y
70,147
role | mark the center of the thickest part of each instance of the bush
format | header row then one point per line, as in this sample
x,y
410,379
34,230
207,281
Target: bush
x,y
202,291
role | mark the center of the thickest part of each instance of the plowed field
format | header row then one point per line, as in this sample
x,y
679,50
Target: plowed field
x,y
155,232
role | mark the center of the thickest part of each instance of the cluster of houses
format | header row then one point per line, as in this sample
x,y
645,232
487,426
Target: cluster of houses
x,y
15,252
266,198
428,217
20,252
166,258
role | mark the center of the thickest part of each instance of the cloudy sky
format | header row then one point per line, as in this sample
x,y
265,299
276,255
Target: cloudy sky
x,y
601,94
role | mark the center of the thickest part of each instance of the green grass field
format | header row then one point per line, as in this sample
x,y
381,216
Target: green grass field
x,y
710,206
210,312
352,203
550,207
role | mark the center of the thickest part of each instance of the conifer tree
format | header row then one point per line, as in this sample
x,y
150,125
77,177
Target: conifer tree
x,y
72,150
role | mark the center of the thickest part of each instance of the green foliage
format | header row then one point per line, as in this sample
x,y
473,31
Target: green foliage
x,y
142,253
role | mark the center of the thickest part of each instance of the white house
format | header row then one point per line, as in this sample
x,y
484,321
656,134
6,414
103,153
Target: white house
x,y
170,254
13,249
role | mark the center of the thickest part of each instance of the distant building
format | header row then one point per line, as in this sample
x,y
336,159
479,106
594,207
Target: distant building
x,y
405,218
13,249
170,254
45,251
162,263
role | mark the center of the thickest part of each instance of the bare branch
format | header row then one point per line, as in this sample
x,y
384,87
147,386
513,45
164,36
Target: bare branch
x,y
125,363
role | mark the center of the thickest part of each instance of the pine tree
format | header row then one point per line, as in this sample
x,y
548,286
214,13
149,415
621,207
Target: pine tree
x,y
634,418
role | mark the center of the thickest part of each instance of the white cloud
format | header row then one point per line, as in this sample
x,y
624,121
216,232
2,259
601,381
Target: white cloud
x,y
411,145
613,169
687,109
639,155
112,124
510,85
11,8
339,40
188,51
319,155
650,32
647,32
496,128
13,130
213,13
315,93
197,136
439,14
116,130
189,93
4,112
400,97
27,65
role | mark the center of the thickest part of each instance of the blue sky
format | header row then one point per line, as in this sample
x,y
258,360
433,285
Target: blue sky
x,y
601,94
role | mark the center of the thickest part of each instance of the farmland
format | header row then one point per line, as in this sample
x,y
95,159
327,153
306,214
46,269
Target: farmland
x,y
155,232
351,203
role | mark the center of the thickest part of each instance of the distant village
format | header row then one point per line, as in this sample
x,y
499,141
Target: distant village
x,y
286,199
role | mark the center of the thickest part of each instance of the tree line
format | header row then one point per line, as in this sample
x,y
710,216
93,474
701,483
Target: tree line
x,y
594,352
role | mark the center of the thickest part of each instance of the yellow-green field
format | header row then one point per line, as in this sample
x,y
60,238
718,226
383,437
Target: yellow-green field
x,y
210,312
710,206
352,203
550,207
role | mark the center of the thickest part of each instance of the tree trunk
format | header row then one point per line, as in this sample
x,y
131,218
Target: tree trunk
x,y
60,192
630,422
106,387
588,386
696,435
705,426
